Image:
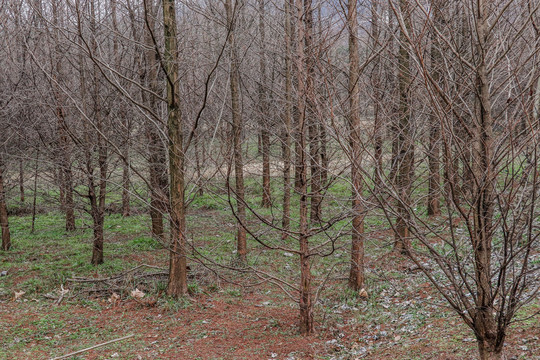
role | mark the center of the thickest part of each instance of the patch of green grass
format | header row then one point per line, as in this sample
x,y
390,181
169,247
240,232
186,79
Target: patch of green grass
x,y
144,243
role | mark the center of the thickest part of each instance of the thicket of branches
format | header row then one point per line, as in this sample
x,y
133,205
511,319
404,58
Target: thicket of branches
x,y
424,111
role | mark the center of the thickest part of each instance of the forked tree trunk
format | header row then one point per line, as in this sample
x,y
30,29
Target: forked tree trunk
x,y
488,351
237,132
4,224
356,276
490,336
177,285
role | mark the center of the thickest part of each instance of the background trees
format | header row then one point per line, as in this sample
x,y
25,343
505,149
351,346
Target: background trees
x,y
388,109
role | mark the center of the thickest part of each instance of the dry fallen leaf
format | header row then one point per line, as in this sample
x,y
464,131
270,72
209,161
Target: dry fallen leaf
x,y
137,294
114,298
363,294
18,295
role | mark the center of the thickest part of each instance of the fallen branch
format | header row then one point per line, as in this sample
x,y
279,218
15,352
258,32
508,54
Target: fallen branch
x,y
92,347
86,280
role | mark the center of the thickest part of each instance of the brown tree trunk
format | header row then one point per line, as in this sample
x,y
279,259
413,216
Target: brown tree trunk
x,y
490,338
198,169
263,109
34,202
433,208
157,158
4,224
65,174
306,304
311,118
489,352
21,180
177,285
126,123
126,210
356,276
237,132
405,143
96,189
377,90
288,121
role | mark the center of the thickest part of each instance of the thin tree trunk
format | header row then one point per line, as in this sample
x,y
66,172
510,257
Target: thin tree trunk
x,y
125,122
35,191
288,121
4,224
96,191
433,208
311,118
21,180
377,90
356,276
156,149
405,144
263,109
126,209
199,181
306,305
177,285
237,132
323,141
65,174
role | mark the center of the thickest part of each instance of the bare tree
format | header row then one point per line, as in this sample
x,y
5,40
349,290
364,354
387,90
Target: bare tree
x,y
356,276
231,10
177,285
6,237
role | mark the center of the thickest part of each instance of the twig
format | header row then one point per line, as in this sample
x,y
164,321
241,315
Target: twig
x,y
62,293
92,347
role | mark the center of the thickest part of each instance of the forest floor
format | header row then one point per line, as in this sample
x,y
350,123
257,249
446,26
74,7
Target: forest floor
x,y
403,317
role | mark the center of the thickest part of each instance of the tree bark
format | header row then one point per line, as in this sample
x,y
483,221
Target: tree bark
x,y
21,180
377,89
237,124
490,338
311,118
356,275
177,285
433,208
65,174
157,152
263,109
405,143
306,305
97,192
4,224
126,123
287,121
34,202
